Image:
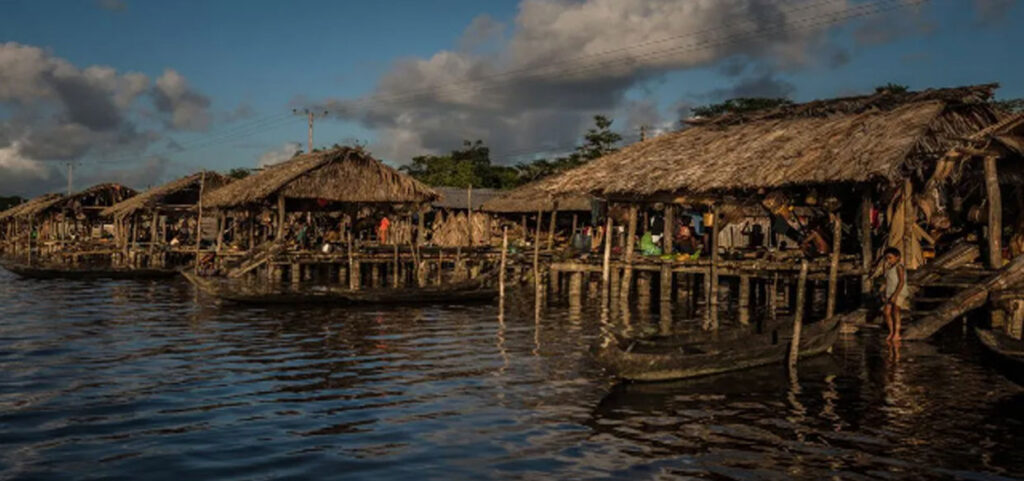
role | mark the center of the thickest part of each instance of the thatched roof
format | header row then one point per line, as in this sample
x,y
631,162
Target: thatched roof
x,y
19,210
457,198
533,197
855,139
341,175
157,195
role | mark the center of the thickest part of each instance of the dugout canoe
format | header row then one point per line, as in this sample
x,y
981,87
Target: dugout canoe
x,y
238,291
672,358
59,271
1006,352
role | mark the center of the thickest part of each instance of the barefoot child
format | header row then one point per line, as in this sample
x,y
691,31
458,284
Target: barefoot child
x,y
895,293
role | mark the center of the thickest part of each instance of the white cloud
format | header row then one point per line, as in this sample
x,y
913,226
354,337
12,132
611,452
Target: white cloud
x,y
278,155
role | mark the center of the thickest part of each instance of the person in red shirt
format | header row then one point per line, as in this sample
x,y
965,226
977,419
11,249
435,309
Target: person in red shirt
x,y
382,230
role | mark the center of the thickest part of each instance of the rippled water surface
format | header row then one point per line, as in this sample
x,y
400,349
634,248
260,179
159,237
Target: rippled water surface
x,y
130,380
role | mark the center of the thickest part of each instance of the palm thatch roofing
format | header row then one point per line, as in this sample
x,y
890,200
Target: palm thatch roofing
x,y
535,197
459,198
43,201
100,195
856,139
345,174
157,195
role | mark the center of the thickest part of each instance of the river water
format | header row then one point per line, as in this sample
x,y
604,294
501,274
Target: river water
x,y
130,380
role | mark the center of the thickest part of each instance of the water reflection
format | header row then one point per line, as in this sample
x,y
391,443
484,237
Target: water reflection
x,y
119,378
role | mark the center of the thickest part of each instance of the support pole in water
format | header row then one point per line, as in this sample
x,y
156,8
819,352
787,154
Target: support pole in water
x,y
199,220
798,318
501,270
627,273
833,268
606,264
536,256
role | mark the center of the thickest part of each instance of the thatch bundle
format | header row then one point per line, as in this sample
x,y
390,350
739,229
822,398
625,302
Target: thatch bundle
x,y
344,174
855,139
452,230
100,195
157,195
535,197
29,208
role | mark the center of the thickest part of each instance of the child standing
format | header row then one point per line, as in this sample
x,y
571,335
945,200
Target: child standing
x,y
895,293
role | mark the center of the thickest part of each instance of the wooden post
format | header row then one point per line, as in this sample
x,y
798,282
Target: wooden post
x,y
153,232
606,262
296,273
908,222
627,273
665,296
469,213
353,273
501,270
394,282
252,229
712,284
573,231
833,267
867,253
744,301
221,220
421,233
31,227
773,297
995,214
536,256
199,219
670,216
281,214
798,318
551,228
526,232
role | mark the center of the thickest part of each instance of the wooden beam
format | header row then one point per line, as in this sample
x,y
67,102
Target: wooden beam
x,y
572,233
551,228
995,214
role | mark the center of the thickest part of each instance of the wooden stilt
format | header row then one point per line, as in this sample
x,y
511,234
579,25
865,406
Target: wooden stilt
x,y
798,318
744,300
394,264
353,270
627,273
296,273
572,233
551,228
833,268
867,253
712,294
221,220
909,221
606,261
995,214
501,269
536,257
670,220
526,232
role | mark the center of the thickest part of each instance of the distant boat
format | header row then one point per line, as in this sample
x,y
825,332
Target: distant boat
x,y
63,271
668,358
476,290
1007,352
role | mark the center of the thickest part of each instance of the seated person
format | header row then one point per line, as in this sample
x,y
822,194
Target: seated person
x,y
684,240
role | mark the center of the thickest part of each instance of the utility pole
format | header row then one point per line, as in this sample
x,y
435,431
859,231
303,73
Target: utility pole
x,y
643,133
310,115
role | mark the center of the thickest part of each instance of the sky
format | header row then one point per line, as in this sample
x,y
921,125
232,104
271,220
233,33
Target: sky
x,y
142,92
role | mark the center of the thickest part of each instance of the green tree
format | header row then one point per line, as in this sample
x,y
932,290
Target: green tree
x,y
740,105
892,88
8,202
598,141
238,173
1010,105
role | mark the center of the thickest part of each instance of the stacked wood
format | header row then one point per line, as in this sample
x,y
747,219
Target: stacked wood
x,y
966,300
452,231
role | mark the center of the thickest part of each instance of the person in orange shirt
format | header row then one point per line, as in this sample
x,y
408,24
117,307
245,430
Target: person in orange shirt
x,y
382,230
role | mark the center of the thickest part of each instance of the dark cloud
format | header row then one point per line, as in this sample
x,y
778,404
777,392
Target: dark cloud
x,y
991,12
544,84
58,112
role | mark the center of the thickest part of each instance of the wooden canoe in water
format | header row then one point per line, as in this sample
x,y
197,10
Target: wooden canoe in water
x,y
58,271
1007,352
664,359
237,291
